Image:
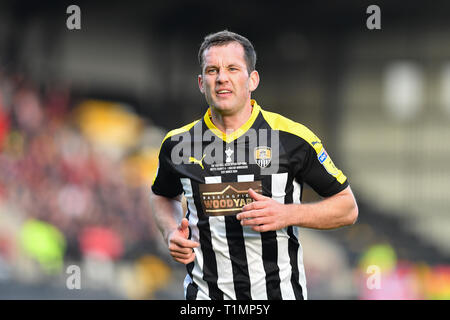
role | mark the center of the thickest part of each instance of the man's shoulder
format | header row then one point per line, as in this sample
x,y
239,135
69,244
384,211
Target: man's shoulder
x,y
281,123
180,130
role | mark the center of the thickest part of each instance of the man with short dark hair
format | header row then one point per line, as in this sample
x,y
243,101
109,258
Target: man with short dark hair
x,y
242,170
225,37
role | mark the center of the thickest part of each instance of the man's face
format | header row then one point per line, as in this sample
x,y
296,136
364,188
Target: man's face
x,y
225,81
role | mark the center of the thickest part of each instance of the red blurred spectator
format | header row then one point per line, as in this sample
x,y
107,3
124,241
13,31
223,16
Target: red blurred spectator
x,y
101,241
4,123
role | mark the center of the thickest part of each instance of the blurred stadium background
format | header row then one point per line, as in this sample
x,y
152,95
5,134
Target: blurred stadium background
x,y
82,114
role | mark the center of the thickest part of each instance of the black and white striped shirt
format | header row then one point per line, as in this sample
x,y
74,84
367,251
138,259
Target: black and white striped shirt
x,y
214,170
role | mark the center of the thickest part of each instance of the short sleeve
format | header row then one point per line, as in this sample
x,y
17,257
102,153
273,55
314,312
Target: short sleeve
x,y
166,182
319,171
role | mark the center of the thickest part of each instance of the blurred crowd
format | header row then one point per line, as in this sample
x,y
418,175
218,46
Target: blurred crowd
x,y
381,275
65,192
74,180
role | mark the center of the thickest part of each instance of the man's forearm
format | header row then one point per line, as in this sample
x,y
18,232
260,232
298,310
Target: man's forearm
x,y
167,213
334,212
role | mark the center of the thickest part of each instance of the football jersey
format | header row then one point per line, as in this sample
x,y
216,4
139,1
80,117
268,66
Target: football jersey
x,y
269,153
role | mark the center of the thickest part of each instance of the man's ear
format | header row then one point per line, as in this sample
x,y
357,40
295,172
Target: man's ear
x,y
200,84
254,81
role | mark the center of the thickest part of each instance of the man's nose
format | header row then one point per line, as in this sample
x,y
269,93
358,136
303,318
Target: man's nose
x,y
222,76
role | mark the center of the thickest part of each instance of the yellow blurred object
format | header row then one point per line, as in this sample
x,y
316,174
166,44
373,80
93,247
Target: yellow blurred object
x,y
151,274
140,168
436,282
108,124
381,255
45,243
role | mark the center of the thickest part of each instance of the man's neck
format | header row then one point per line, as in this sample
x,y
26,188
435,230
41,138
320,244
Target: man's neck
x,y
230,123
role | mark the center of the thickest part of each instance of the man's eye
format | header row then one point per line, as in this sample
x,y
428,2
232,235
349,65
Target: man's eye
x,y
211,71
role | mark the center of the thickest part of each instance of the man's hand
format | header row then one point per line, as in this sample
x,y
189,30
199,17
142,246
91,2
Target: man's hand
x,y
180,248
264,214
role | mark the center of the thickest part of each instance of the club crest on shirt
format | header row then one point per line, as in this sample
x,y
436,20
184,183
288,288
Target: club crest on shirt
x,y
327,163
263,156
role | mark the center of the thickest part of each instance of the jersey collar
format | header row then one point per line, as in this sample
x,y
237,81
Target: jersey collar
x,y
237,133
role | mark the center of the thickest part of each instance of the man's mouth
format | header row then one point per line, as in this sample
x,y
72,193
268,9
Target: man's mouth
x,y
223,92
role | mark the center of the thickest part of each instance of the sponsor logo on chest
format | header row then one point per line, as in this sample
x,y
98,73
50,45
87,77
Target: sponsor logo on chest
x,y
222,199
